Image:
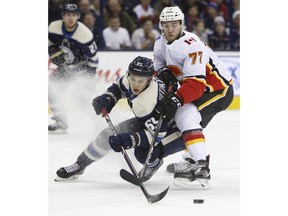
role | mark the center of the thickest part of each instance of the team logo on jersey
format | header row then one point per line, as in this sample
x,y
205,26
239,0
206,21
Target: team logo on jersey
x,y
66,43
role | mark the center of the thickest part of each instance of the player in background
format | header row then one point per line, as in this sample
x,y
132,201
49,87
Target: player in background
x,y
73,50
205,89
142,91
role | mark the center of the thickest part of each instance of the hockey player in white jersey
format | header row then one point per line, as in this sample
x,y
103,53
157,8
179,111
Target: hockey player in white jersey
x,y
72,48
205,89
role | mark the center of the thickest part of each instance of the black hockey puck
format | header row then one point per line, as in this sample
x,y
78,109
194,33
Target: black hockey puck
x,y
198,201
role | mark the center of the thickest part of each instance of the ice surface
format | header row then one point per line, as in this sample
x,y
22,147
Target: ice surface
x,y
101,191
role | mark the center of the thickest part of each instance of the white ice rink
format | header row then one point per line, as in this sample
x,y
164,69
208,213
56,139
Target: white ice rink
x,y
101,191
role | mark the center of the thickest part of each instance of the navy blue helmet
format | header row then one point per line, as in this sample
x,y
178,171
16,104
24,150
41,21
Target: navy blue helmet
x,y
70,8
141,66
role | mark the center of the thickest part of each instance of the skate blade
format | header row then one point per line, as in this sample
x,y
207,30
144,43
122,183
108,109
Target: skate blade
x,y
196,184
59,179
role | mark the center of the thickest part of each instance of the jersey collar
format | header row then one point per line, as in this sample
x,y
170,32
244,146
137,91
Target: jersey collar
x,y
67,34
181,35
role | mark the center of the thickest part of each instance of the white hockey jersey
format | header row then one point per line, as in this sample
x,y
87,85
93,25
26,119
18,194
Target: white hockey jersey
x,y
194,64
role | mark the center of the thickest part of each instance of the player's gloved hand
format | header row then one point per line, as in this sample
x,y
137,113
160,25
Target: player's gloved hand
x,y
125,140
168,105
56,56
104,101
166,75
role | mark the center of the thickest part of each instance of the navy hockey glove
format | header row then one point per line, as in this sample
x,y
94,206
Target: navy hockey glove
x,y
56,56
166,75
126,140
168,105
105,101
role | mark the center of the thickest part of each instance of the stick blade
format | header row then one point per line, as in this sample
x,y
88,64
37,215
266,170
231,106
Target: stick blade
x,y
157,197
127,176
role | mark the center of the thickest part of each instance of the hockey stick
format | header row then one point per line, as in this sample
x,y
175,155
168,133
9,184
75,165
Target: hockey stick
x,y
139,180
152,144
127,175
150,198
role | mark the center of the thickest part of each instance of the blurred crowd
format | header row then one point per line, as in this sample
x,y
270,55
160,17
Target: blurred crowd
x,y
134,24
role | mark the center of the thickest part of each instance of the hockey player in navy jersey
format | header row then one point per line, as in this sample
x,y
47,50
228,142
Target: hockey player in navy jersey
x,y
205,89
73,49
142,91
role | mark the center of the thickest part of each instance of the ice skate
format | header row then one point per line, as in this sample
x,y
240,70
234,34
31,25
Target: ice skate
x,y
71,172
197,177
59,126
182,166
150,170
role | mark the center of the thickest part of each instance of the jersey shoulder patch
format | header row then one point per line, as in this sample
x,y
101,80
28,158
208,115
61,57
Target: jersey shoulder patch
x,y
145,102
55,27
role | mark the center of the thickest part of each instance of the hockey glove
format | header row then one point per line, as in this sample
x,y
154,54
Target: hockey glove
x,y
125,140
166,75
105,101
56,56
168,105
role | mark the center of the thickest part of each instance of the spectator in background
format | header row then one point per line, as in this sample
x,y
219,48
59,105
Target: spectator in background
x,y
223,9
235,33
127,6
90,21
143,10
113,8
186,4
143,38
191,17
211,13
200,31
116,37
96,7
54,10
85,7
236,5
219,39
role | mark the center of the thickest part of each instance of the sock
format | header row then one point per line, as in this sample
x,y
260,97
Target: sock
x,y
195,144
